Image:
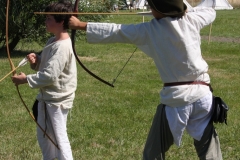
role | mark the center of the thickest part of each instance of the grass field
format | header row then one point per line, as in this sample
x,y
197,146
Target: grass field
x,y
112,123
234,3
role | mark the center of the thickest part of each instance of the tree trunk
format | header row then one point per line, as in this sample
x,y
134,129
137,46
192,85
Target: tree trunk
x,y
14,43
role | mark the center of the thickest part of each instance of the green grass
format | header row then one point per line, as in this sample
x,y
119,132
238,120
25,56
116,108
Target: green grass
x,y
112,123
226,24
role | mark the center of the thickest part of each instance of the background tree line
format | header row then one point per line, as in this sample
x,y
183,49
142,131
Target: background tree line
x,y
24,26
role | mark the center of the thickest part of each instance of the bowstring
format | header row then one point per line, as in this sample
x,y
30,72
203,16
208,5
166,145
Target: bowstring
x,y
115,79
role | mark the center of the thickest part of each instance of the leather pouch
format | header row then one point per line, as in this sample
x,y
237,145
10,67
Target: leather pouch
x,y
220,109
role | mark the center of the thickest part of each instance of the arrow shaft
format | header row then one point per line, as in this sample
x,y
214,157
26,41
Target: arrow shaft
x,y
9,73
96,13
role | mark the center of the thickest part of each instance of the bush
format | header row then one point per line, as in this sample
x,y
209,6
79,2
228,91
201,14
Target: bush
x,y
26,27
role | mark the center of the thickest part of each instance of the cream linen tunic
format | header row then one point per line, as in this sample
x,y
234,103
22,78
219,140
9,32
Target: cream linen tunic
x,y
173,44
57,74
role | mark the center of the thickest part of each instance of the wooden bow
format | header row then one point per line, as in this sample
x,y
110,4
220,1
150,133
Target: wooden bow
x,y
14,73
73,33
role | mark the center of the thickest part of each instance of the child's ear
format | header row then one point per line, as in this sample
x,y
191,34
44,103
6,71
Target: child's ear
x,y
61,23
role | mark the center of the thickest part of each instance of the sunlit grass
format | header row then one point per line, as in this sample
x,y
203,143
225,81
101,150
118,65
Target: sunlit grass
x,y
112,123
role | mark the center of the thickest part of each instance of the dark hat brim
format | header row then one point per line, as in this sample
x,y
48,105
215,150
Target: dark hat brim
x,y
173,13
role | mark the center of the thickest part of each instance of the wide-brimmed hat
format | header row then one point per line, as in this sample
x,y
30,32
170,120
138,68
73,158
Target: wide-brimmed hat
x,y
168,7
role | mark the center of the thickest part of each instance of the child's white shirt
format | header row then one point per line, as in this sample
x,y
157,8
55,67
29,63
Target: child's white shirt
x,y
57,74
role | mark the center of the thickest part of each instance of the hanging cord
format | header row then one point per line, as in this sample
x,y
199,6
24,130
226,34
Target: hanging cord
x,y
115,79
45,112
210,30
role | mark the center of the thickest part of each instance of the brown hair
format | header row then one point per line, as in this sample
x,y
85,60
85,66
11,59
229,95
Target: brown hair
x,y
61,6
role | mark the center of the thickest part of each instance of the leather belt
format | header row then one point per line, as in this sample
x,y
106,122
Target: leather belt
x,y
188,83
185,83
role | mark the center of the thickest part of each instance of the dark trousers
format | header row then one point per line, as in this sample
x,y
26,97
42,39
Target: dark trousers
x,y
160,139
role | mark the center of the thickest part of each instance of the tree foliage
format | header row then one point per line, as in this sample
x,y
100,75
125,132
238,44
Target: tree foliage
x,y
22,23
25,26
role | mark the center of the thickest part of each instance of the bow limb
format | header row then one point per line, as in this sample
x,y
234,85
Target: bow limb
x,y
73,33
7,46
14,73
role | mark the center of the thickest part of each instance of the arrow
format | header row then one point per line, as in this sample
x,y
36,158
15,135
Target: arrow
x,y
22,63
96,13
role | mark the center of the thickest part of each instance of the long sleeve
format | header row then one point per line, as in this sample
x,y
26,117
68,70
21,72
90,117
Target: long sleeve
x,y
172,43
57,74
201,16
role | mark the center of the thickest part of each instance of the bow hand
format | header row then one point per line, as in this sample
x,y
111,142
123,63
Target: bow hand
x,y
76,24
19,79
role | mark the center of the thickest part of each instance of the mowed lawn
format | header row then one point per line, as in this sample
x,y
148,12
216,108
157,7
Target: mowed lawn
x,y
112,123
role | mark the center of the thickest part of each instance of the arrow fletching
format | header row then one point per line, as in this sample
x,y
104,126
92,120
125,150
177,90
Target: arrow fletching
x,y
23,62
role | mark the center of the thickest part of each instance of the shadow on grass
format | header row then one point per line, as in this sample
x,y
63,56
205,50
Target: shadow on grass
x,y
14,53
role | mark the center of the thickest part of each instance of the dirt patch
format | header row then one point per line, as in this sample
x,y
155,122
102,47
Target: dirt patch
x,y
221,39
91,59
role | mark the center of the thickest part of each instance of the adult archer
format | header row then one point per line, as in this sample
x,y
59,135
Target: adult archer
x,y
173,41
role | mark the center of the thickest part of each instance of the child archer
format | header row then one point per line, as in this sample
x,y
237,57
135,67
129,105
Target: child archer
x,y
56,79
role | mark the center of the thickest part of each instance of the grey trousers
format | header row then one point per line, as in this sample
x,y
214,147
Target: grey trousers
x,y
160,139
